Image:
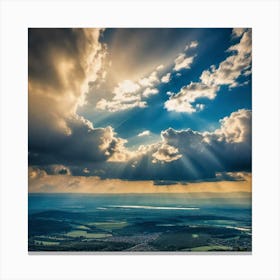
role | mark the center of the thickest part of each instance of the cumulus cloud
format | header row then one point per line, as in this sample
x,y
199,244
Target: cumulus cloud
x,y
184,99
144,133
166,153
184,61
226,149
234,65
237,64
166,78
236,128
150,80
126,96
129,94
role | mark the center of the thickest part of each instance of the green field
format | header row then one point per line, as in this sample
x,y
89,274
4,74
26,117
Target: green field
x,y
84,234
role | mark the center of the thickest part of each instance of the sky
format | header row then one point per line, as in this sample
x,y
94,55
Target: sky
x,y
139,110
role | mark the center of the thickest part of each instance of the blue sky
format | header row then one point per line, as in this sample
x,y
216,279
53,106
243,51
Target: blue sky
x,y
140,104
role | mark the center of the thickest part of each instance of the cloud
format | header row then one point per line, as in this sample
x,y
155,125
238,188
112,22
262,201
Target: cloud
x,y
93,184
183,61
149,91
237,32
184,99
236,128
58,169
132,94
232,176
83,144
126,96
119,105
166,153
160,67
204,153
234,65
150,80
166,78
193,44
129,94
62,63
237,64
124,88
181,155
144,133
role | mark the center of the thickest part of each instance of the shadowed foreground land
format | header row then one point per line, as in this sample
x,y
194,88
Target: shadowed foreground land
x,y
68,222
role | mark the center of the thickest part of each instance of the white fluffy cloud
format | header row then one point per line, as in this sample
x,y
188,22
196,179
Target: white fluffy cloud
x,y
129,94
184,99
237,64
126,96
149,81
166,78
183,61
234,130
166,153
144,133
234,65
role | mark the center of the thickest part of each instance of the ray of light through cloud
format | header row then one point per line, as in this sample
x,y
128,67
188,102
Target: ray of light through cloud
x,y
139,104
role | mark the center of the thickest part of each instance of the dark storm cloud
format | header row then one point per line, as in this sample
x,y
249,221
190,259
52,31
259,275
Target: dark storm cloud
x,y
203,156
198,155
84,144
61,63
